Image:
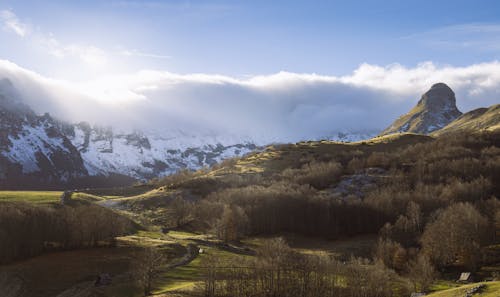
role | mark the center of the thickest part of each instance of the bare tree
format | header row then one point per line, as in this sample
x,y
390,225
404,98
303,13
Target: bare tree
x,y
458,233
421,272
181,211
148,264
232,223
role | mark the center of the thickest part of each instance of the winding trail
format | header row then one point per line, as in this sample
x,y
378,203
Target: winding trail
x,y
191,254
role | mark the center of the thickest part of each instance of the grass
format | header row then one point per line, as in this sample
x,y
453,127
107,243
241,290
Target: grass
x,y
182,277
146,238
30,196
442,285
492,290
39,197
187,277
112,197
50,274
387,139
183,234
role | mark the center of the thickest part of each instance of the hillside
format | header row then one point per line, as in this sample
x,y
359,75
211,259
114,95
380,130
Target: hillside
x,y
488,289
409,190
475,120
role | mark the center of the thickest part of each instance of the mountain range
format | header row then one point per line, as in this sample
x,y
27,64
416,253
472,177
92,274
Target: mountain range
x,y
40,150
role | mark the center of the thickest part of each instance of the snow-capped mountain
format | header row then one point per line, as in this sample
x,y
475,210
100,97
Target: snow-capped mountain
x,y
41,149
142,156
436,109
33,145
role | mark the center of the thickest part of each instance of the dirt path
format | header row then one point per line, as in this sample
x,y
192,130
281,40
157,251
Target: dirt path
x,y
191,254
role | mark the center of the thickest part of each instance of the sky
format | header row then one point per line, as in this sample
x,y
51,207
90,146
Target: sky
x,y
269,66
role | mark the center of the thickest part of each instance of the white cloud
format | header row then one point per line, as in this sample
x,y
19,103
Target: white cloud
x,y
12,23
283,106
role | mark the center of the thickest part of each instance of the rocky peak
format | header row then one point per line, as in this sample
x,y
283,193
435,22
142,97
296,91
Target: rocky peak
x,y
435,109
439,97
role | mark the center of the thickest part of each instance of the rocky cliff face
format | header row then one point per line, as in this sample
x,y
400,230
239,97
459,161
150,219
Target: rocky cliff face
x,y
32,145
435,109
144,156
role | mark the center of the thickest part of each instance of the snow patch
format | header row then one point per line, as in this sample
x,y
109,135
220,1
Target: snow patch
x,y
30,141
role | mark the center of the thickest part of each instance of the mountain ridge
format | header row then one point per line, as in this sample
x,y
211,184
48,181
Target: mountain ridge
x,y
483,118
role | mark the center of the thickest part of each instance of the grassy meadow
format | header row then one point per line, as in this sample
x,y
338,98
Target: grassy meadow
x,y
30,196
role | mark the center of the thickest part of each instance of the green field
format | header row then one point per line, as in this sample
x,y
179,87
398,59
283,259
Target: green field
x,y
39,197
30,196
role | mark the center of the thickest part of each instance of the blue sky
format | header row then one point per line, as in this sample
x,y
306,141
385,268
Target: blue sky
x,y
271,70
255,37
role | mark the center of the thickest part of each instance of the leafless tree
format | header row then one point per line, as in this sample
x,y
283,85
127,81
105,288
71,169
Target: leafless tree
x,y
147,267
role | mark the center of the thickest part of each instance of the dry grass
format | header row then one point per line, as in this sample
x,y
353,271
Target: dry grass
x,y
492,290
50,274
30,196
475,120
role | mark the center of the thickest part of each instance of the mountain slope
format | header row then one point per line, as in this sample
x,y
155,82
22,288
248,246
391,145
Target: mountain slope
x,y
40,150
474,120
145,156
435,109
33,146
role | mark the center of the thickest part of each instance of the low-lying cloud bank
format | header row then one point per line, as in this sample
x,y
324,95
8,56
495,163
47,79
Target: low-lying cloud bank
x,y
279,107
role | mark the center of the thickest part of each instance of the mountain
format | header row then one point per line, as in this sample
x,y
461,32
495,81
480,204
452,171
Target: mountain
x,y
435,109
43,150
40,150
474,120
33,146
145,156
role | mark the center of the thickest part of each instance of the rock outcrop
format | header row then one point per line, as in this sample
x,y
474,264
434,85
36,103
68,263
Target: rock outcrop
x,y
435,109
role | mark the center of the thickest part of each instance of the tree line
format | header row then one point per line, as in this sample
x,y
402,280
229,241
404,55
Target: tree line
x,y
28,230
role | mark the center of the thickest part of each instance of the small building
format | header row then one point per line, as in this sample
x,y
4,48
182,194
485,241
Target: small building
x,y
465,277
